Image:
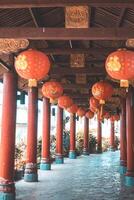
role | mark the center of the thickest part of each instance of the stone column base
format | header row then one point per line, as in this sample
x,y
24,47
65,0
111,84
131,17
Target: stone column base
x,y
85,152
7,196
31,173
122,170
99,150
111,149
59,159
72,155
31,177
129,180
7,190
45,166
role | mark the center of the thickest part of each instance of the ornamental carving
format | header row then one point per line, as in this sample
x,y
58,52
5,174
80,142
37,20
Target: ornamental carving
x,y
12,45
81,78
77,60
76,17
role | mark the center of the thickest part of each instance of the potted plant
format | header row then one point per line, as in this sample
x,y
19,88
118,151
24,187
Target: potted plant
x,y
92,143
19,161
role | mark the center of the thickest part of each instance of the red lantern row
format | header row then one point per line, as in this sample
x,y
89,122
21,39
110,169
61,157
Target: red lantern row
x,y
52,90
102,91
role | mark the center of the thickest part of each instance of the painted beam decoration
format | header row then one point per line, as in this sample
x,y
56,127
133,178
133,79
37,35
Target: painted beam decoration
x,y
76,17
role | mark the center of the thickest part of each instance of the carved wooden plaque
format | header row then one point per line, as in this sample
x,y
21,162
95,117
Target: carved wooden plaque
x,y
77,60
130,43
76,17
81,78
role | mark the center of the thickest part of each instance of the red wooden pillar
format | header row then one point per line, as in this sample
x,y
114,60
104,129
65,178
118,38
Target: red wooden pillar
x,y
123,140
99,137
86,136
7,145
112,137
72,152
45,161
59,136
31,157
130,138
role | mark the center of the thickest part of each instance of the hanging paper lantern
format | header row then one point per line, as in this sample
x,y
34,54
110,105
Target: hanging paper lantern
x,y
65,102
94,104
102,91
73,109
120,66
112,119
106,115
81,112
116,117
32,65
52,90
89,114
93,109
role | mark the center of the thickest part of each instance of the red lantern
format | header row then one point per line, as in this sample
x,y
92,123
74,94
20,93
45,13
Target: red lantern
x,y
106,115
32,65
116,117
120,65
93,102
94,110
65,102
102,91
73,109
112,119
52,90
81,112
89,114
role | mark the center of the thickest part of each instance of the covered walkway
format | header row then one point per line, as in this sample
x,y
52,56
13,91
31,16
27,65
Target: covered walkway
x,y
94,177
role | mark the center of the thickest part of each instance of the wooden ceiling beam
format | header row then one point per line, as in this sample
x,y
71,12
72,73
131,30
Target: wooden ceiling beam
x,y
63,3
121,17
73,71
75,86
67,34
68,51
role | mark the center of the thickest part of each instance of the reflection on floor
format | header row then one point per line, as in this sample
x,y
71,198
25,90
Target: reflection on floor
x,y
94,177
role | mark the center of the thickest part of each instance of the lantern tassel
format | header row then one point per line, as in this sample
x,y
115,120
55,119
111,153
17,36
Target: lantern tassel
x,y
124,83
53,101
101,112
32,83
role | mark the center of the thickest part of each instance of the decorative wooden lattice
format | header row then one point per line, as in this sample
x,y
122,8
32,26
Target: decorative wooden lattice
x,y
76,17
12,45
81,78
77,60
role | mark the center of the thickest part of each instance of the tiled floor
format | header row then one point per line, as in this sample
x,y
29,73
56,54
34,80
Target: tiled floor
x,y
94,177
